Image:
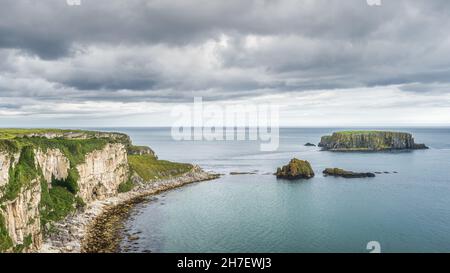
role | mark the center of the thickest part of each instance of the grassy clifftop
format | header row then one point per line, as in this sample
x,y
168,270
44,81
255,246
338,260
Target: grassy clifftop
x,y
149,168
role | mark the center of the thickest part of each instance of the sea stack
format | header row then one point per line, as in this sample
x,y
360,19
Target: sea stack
x,y
350,141
296,169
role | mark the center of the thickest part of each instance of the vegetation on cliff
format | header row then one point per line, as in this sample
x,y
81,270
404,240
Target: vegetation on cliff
x,y
20,175
369,141
296,169
149,168
56,203
5,241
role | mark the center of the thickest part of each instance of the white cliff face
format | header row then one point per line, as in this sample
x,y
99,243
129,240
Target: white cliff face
x,y
5,163
6,159
102,173
53,163
22,216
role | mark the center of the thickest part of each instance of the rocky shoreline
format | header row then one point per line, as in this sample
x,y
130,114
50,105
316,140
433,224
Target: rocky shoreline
x,y
96,228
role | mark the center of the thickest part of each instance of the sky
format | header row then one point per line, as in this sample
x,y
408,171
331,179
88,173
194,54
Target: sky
x,y
129,63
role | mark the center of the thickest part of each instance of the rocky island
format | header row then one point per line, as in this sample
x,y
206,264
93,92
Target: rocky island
x,y
346,174
296,169
58,181
371,141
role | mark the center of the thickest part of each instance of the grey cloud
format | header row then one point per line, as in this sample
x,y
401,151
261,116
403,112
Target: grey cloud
x,y
140,50
49,28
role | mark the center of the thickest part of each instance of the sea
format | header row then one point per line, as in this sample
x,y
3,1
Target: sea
x,y
405,208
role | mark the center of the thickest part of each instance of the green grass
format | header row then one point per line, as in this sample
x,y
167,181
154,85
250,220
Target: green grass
x,y
368,132
18,134
361,132
149,168
10,133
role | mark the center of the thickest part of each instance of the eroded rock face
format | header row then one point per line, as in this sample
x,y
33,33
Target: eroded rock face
x,y
369,141
5,163
22,217
53,163
296,169
102,173
6,160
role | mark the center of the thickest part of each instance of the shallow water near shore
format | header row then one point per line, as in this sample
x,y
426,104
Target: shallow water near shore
x,y
405,211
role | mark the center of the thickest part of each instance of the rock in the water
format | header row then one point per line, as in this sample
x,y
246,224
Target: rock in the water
x,y
296,169
346,174
310,144
348,141
241,173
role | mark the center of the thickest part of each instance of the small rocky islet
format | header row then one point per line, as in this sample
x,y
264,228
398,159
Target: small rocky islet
x,y
296,169
351,141
346,174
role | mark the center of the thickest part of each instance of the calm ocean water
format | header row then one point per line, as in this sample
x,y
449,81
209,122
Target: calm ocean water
x,y
404,211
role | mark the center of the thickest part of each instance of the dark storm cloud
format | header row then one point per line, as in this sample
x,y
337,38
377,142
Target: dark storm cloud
x,y
138,50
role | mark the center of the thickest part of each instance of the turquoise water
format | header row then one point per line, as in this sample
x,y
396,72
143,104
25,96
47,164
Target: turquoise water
x,y
407,211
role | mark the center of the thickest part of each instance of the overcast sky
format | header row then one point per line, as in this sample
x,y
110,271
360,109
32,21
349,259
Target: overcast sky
x,y
126,63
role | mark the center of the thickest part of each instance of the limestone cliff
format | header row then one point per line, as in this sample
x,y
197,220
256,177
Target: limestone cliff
x,y
53,163
103,172
369,141
46,176
21,218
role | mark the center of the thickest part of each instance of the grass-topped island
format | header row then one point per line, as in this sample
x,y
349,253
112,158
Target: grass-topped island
x,y
53,176
370,141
